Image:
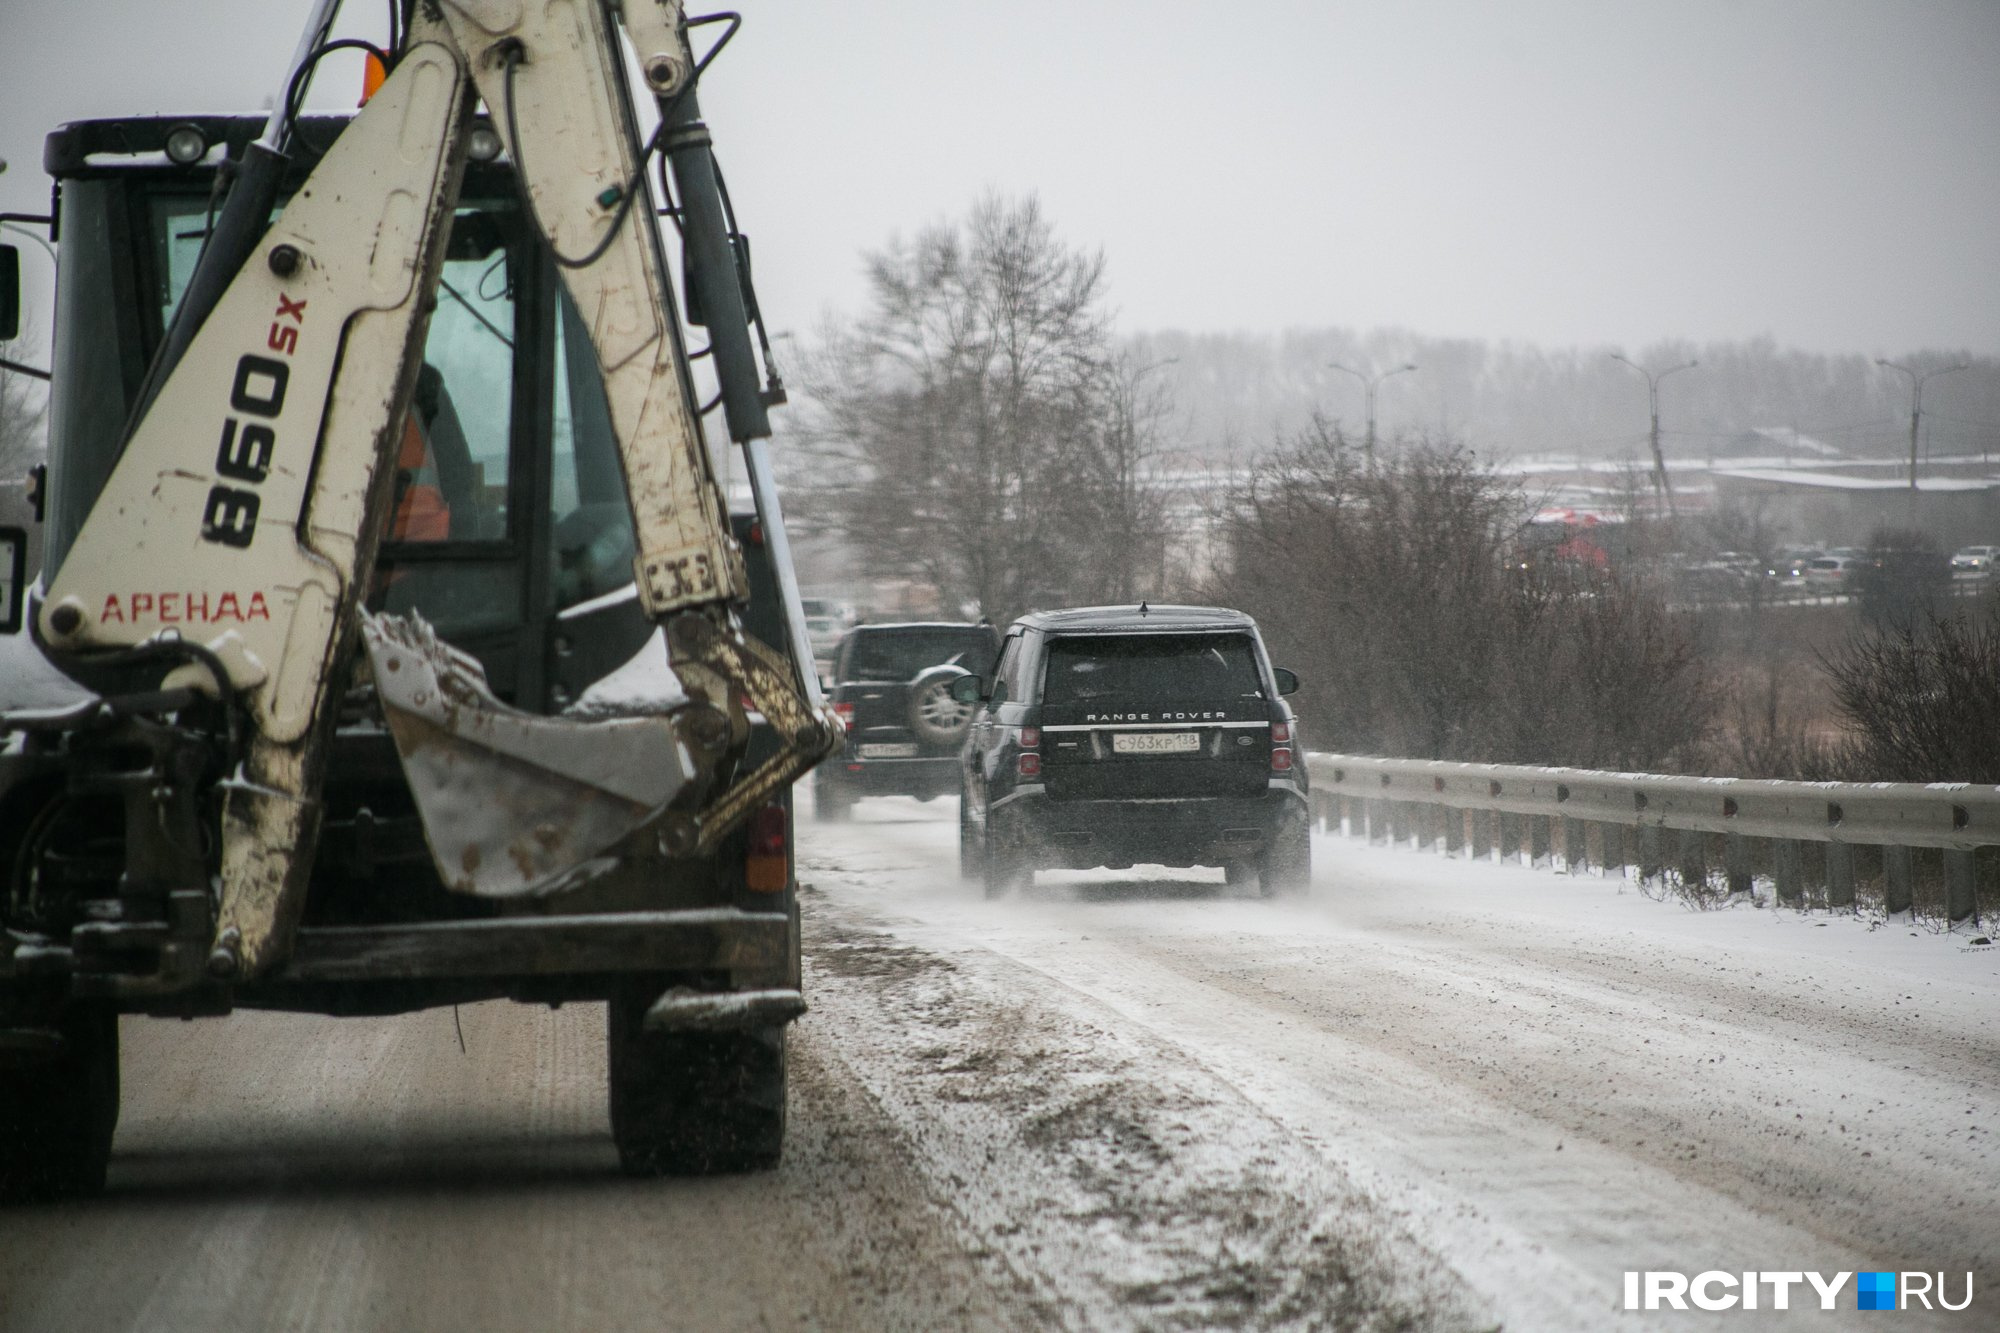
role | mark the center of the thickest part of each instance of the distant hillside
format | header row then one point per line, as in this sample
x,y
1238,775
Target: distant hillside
x,y
1235,392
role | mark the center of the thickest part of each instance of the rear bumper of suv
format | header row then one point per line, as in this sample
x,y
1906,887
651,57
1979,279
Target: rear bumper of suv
x,y
1196,831
922,777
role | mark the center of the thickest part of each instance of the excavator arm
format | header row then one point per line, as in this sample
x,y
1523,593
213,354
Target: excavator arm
x,y
255,484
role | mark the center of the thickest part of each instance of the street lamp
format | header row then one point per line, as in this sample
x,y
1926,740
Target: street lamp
x,y
1369,383
1917,383
1653,402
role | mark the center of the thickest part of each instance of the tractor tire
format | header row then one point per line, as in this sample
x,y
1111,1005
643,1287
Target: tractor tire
x,y
693,1103
57,1116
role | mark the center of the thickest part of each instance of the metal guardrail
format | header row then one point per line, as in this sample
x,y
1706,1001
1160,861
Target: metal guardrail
x,y
1612,820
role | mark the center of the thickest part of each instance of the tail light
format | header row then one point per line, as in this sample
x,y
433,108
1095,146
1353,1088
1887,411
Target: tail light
x,y
1030,764
768,866
846,714
1281,759
1281,733
1030,737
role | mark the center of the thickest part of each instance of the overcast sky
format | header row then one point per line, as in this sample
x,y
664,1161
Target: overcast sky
x,y
1826,172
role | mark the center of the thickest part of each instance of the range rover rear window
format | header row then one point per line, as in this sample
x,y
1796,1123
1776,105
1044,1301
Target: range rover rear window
x,y
1150,667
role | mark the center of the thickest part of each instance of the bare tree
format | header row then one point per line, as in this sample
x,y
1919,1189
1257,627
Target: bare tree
x,y
20,424
1400,594
982,435
1923,699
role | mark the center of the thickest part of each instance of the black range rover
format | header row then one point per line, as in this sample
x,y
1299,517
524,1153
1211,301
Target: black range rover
x,y
892,685
1114,736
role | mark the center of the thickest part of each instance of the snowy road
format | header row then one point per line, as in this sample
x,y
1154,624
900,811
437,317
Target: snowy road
x,y
1427,1096
1539,1082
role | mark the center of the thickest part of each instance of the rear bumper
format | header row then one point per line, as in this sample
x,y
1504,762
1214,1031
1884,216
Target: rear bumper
x,y
698,939
926,776
1202,831
394,968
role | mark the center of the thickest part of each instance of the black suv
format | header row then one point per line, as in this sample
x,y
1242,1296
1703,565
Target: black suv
x,y
892,685
1116,735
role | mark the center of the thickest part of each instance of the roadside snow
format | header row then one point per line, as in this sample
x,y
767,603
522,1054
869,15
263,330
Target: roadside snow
x,y
1550,1080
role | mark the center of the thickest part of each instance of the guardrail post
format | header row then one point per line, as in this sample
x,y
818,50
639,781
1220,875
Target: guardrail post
x,y
1649,852
1453,820
1575,846
1539,840
1347,815
1378,822
1507,831
1736,862
1611,839
1479,833
1961,893
1787,867
1839,875
1422,815
1898,870
1689,858
1399,822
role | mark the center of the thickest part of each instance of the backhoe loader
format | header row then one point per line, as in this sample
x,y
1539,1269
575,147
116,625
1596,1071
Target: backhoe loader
x,y
417,656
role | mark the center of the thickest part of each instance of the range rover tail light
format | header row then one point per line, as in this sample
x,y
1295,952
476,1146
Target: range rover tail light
x,y
1030,737
846,715
1281,759
1030,764
1281,733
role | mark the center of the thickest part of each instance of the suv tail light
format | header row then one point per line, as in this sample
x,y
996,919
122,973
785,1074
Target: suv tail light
x,y
1030,737
1030,764
846,714
1281,733
1281,759
768,866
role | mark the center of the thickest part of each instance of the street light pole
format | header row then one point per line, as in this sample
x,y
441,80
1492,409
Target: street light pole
x,y
1369,383
1917,383
1653,402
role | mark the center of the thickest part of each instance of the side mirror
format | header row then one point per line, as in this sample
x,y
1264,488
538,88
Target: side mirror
x,y
10,293
1288,680
13,578
966,690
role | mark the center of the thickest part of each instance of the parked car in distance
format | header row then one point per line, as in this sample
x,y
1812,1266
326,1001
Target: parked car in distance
x,y
1115,736
891,684
1788,568
1974,562
1831,573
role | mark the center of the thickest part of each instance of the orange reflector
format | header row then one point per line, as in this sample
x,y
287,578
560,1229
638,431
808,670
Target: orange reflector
x,y
372,76
768,866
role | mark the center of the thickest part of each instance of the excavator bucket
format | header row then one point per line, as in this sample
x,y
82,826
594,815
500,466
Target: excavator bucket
x,y
514,804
